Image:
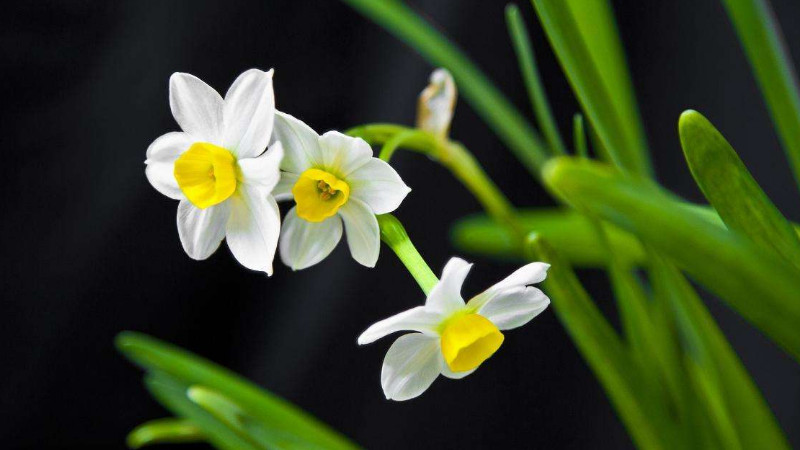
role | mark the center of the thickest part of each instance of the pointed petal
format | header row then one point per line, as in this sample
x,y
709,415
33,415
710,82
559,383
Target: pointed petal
x,y
343,154
300,143
249,113
201,230
410,366
414,319
378,185
304,243
445,370
363,234
253,228
514,307
531,273
263,171
197,108
445,297
283,190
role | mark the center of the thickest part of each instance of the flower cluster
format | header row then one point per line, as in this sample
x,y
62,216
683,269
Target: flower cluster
x,y
236,157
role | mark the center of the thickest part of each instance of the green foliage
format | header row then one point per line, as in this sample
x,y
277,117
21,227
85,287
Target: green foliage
x,y
583,35
732,191
760,34
231,411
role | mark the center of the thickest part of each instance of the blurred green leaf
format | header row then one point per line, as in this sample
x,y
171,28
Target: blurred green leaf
x,y
604,352
165,431
171,393
189,369
533,83
733,401
473,85
584,37
731,189
761,37
579,136
567,230
757,284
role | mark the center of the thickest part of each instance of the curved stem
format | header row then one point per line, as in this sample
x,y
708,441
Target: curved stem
x,y
453,156
395,236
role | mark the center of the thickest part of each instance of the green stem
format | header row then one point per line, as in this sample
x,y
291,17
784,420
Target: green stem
x,y
395,236
454,157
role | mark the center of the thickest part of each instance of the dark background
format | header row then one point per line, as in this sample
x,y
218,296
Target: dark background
x,y
89,248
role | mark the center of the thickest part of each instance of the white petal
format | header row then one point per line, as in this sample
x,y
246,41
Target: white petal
x,y
410,366
253,228
305,243
168,147
377,184
445,297
263,171
300,143
248,113
201,230
363,234
161,156
161,176
197,107
531,273
514,307
343,154
414,319
445,369
283,190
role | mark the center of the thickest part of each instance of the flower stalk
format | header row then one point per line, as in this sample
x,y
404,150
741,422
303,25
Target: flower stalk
x,y
394,235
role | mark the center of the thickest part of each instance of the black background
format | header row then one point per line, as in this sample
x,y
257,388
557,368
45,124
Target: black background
x,y
90,249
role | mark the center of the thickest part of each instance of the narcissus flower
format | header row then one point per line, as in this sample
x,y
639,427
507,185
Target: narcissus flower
x,y
333,178
453,338
436,104
218,169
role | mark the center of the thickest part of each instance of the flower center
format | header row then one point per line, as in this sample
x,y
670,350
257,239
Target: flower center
x,y
319,195
206,174
468,340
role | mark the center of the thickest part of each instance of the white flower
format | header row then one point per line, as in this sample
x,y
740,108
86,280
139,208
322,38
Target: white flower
x,y
332,178
436,103
218,169
453,338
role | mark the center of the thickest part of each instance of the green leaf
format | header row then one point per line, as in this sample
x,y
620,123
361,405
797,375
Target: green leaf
x,y
165,431
533,83
761,37
757,284
567,230
584,37
473,85
579,136
735,405
732,191
603,351
267,408
171,393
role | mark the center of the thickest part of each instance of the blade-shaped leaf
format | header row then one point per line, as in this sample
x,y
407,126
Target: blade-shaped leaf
x,y
759,285
165,431
189,369
530,75
761,37
584,38
732,191
565,229
734,402
171,393
603,351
